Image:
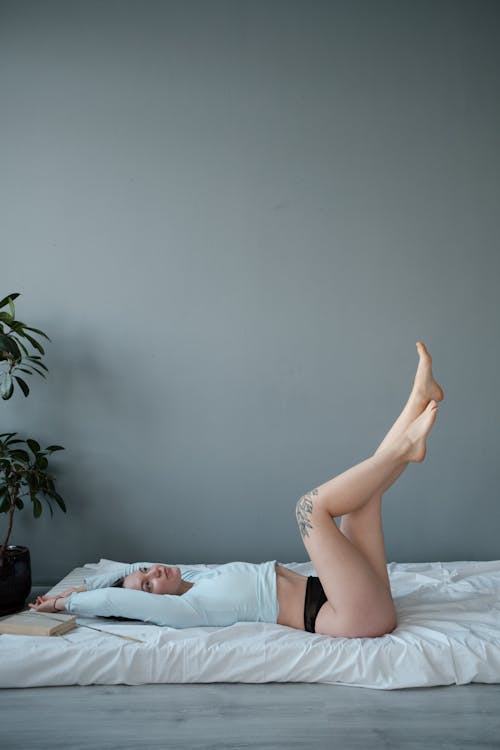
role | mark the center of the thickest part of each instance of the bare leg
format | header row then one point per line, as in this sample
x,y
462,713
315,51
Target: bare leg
x,y
363,527
424,389
358,604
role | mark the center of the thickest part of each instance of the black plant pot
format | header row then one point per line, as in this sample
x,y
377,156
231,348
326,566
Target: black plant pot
x,y
15,579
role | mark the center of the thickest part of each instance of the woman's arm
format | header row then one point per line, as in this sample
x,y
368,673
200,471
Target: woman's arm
x,y
107,579
159,609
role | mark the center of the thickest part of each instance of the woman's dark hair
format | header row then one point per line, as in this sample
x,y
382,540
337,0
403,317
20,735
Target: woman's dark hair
x,y
119,583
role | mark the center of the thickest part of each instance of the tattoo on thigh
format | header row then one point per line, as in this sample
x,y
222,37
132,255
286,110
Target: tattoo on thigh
x,y
303,512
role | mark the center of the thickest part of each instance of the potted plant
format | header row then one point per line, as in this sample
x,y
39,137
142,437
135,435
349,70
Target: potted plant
x,y
24,465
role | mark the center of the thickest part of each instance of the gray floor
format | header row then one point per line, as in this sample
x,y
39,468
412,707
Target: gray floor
x,y
267,716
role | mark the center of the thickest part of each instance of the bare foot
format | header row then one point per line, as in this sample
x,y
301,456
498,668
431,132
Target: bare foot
x,y
425,386
416,435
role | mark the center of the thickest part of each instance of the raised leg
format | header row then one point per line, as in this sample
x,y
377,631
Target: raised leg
x,y
359,600
363,527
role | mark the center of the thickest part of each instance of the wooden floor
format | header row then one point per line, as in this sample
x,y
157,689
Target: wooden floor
x,y
270,716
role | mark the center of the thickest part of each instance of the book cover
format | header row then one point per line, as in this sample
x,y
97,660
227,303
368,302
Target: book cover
x,y
37,623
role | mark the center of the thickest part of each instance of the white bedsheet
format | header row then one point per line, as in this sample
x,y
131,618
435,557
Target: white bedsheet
x,y
448,633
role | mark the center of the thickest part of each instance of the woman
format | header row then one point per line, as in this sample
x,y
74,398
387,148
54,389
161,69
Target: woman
x,y
351,595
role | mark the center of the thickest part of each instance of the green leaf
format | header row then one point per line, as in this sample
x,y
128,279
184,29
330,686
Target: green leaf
x,y
34,484
39,372
23,385
6,386
5,506
20,455
57,497
53,448
38,362
17,327
42,463
35,447
12,308
19,503
30,372
8,299
37,507
35,343
37,330
23,348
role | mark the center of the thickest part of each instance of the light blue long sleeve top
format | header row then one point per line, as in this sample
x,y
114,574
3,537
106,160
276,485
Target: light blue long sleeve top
x,y
229,593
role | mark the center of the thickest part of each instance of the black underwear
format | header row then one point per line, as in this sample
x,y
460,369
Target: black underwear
x,y
315,598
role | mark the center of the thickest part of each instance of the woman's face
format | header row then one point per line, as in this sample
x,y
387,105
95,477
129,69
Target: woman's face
x,y
158,579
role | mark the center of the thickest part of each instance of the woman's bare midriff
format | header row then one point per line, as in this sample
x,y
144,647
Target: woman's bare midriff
x,y
291,591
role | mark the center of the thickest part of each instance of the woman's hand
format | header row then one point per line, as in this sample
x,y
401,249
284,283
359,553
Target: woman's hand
x,y
45,606
68,592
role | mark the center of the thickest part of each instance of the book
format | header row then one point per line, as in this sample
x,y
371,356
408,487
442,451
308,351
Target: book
x,y
37,623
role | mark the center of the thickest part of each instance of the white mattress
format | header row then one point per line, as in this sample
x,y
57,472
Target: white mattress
x,y
448,633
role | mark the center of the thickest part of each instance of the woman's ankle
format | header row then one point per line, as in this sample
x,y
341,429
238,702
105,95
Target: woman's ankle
x,y
395,451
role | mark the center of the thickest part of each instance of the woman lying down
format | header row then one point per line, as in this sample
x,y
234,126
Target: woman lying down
x,y
350,597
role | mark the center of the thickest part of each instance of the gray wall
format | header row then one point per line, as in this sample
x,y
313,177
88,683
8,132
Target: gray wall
x,y
234,220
